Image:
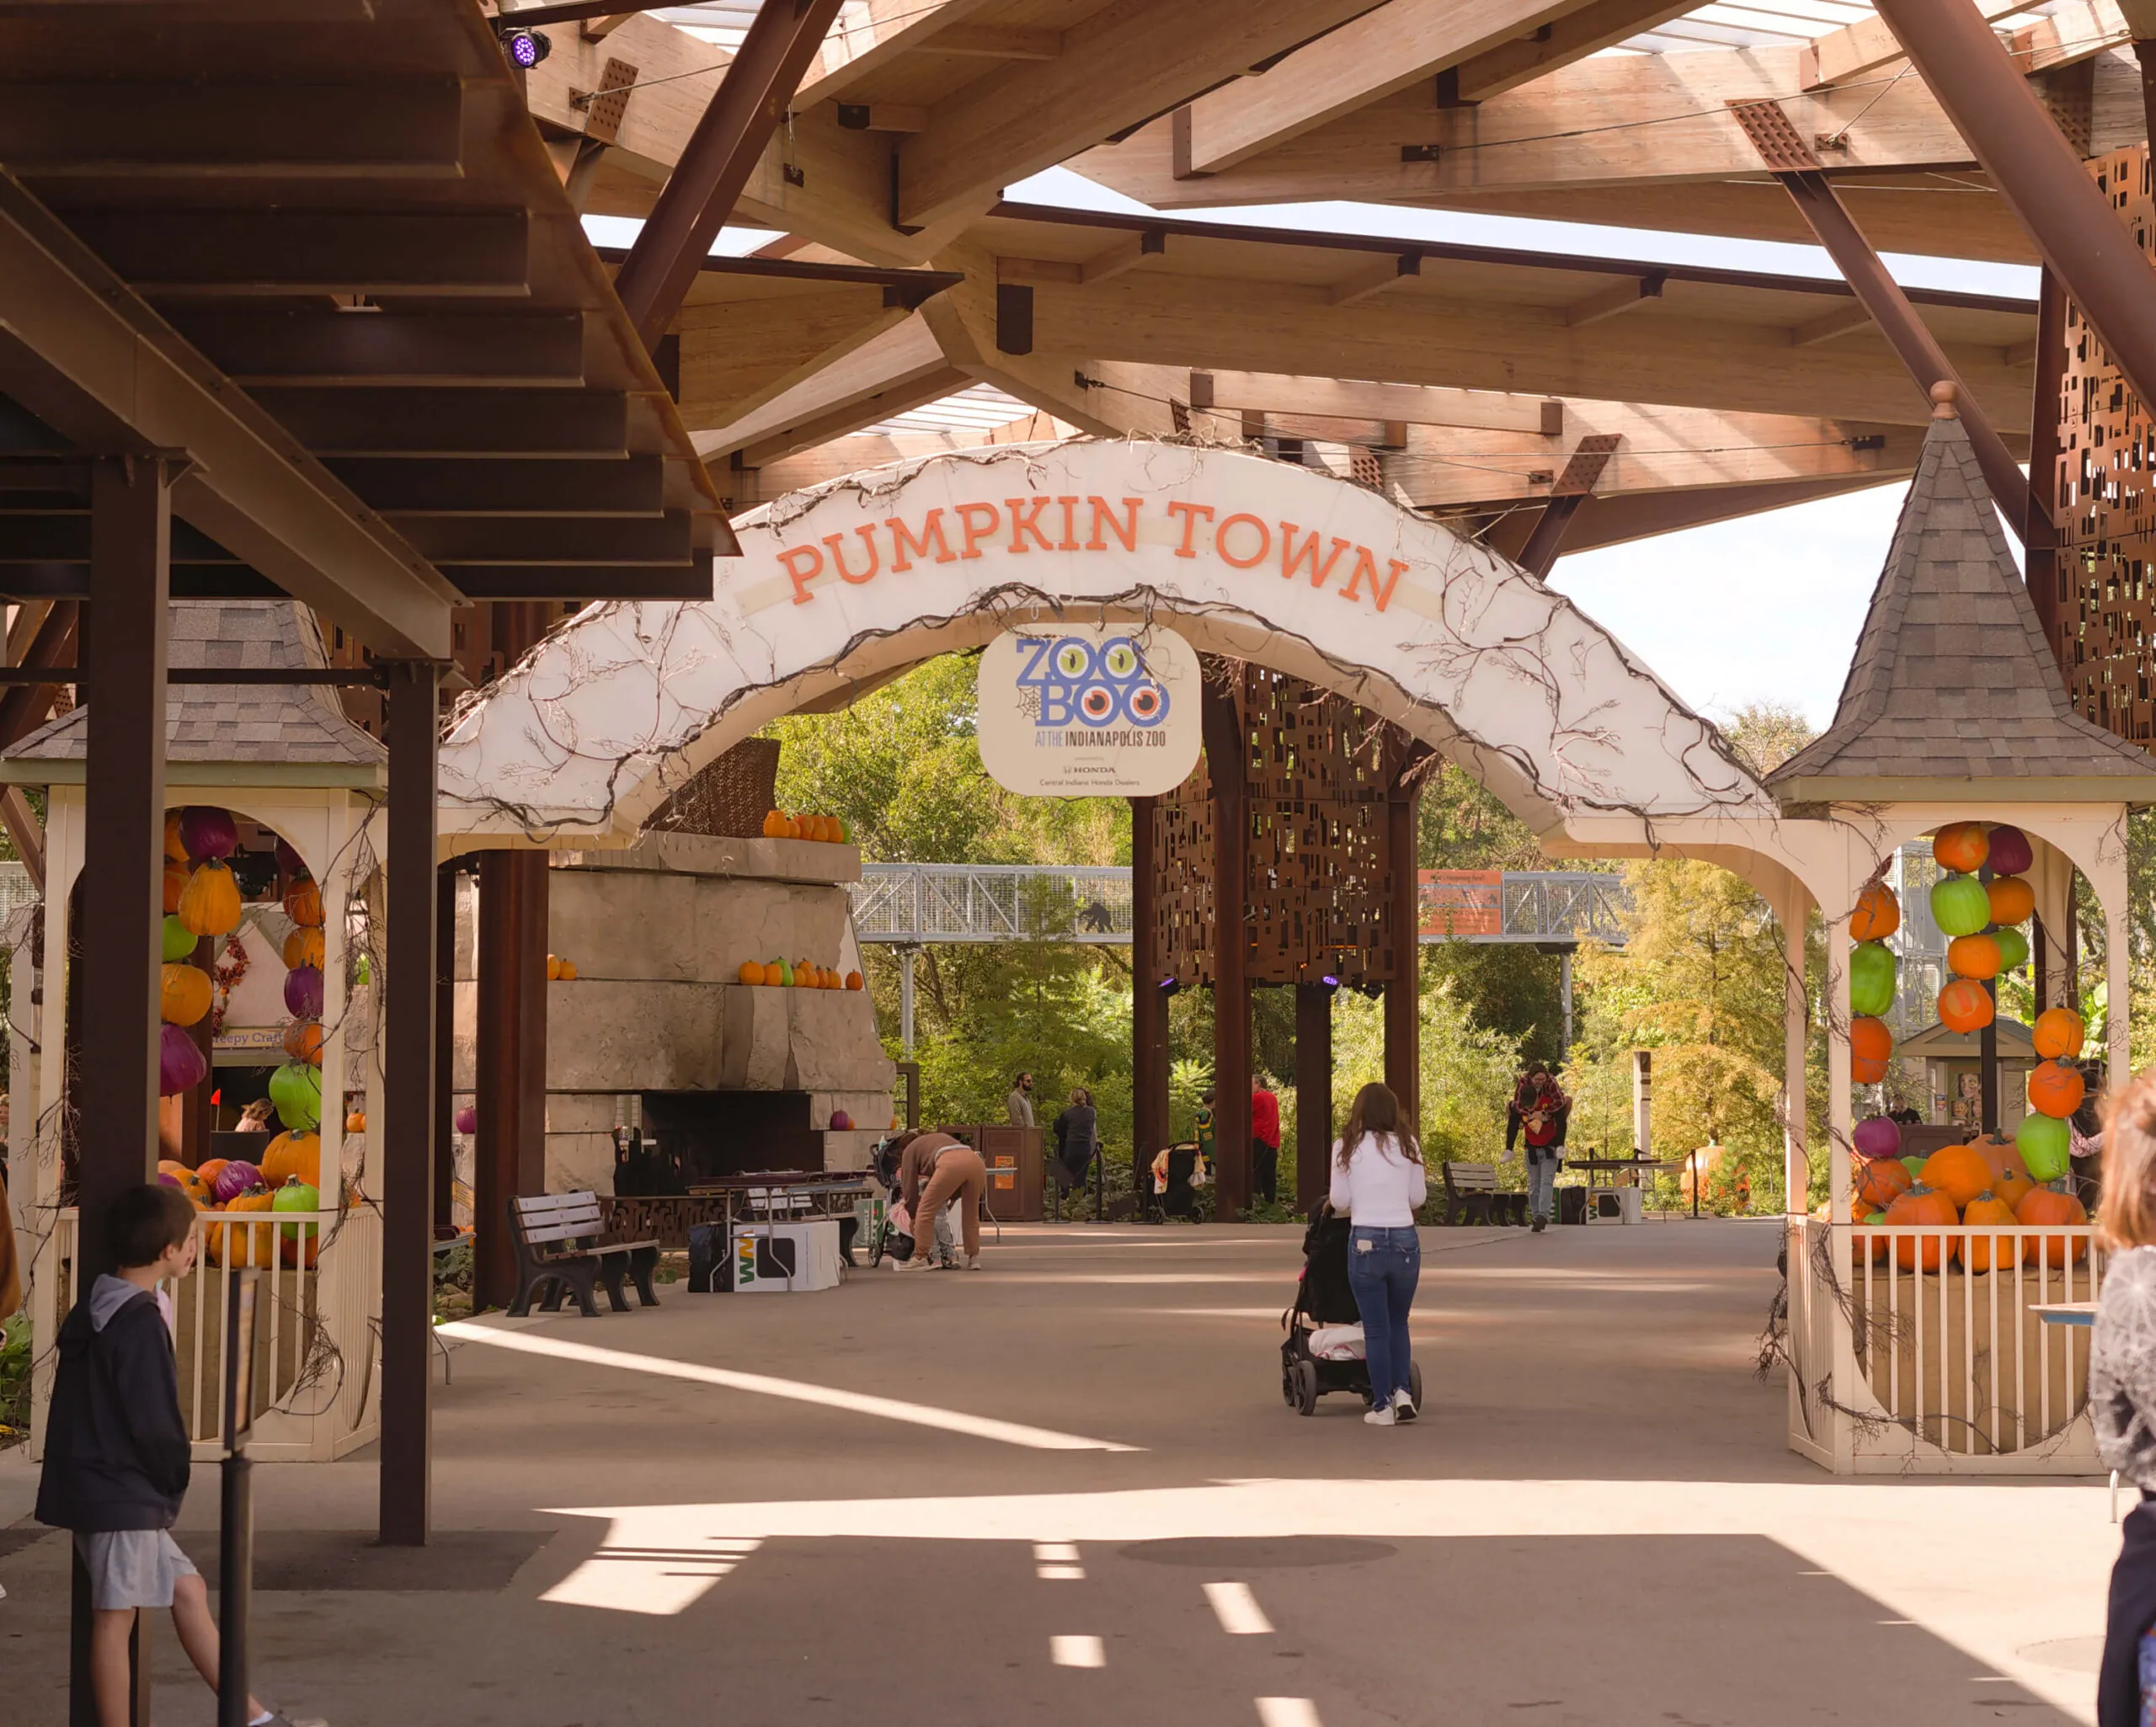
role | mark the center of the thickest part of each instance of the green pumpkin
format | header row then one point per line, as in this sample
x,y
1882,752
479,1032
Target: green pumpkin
x,y
2013,949
1960,906
2044,1145
178,940
1914,1164
295,1090
1872,977
785,973
295,1196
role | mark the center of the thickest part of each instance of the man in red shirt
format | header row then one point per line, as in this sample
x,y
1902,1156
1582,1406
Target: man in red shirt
x,y
1265,1139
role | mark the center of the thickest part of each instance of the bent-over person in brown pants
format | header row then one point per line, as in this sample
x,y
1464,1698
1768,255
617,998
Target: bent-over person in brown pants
x,y
934,1169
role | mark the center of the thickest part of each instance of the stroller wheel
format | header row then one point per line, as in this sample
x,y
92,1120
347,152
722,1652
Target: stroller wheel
x,y
1287,1384
1304,1376
876,1245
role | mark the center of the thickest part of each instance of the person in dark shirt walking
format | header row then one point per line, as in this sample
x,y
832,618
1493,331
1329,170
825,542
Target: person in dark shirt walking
x,y
116,1450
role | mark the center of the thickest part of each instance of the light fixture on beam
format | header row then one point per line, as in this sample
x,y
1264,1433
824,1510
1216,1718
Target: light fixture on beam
x,y
525,48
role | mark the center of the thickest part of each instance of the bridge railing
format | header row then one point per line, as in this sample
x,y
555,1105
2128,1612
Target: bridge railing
x,y
905,904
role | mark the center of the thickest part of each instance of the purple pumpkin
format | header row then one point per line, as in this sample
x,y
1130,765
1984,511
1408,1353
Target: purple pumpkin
x,y
180,1066
303,992
2011,854
841,1122
467,1120
1877,1136
207,832
166,1178
235,1178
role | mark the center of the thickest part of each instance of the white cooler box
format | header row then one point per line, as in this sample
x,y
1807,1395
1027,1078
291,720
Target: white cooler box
x,y
785,1256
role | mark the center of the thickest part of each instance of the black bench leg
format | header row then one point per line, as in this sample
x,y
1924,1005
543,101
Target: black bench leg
x,y
521,1303
553,1283
580,1279
612,1268
642,1264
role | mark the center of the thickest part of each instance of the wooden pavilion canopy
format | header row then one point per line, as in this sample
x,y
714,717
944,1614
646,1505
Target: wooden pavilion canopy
x,y
330,261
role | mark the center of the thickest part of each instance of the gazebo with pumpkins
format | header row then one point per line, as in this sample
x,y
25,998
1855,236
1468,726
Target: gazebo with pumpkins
x,y
1915,1341
273,895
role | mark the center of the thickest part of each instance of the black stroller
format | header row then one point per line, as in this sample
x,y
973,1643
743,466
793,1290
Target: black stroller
x,y
1323,1297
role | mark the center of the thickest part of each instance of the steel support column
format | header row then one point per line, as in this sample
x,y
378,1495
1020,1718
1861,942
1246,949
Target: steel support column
x,y
1911,337
1225,750
1313,1093
409,1147
445,1073
1148,1008
1547,539
715,164
122,901
509,1153
1970,72
2041,565
1403,1003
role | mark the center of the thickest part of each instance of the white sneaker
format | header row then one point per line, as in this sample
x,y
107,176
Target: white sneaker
x,y
972,1262
1402,1406
1383,1417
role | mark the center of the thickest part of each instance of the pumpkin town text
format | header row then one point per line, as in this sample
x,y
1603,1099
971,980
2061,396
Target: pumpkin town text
x,y
1030,525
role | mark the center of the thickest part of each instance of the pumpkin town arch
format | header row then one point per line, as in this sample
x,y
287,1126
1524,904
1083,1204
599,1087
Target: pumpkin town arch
x,y
1276,566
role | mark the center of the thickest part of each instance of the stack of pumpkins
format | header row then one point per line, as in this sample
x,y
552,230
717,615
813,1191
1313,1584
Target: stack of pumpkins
x,y
295,1088
201,899
1877,916
1979,919
1990,1181
800,974
287,1179
779,825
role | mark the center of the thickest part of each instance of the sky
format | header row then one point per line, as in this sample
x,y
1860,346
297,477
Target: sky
x,y
1765,608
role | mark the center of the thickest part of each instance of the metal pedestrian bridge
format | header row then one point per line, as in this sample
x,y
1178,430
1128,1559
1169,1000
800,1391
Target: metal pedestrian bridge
x,y
911,905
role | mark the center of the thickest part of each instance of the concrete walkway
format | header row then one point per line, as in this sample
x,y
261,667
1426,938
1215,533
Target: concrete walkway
x,y
1066,1491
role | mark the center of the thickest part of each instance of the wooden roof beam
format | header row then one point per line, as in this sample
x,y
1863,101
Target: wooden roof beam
x,y
1404,404
1842,321
1573,36
1365,60
85,354
1864,47
1615,300
1115,69
1375,278
901,369
870,37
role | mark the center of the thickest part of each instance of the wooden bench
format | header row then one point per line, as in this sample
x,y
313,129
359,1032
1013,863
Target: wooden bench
x,y
562,1247
1472,1196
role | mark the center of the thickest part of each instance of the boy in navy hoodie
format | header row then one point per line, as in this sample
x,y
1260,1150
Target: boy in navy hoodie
x,y
116,1449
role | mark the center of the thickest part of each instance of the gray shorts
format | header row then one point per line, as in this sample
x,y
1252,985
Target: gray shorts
x,y
131,1568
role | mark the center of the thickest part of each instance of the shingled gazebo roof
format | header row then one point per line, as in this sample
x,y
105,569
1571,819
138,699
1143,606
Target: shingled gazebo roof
x,y
256,733
1954,688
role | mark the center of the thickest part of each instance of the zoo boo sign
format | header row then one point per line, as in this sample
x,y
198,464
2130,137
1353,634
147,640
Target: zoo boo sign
x,y
961,533
1100,710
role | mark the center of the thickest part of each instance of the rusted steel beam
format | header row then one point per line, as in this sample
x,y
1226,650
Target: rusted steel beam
x,y
1912,342
1226,750
2042,180
716,164
1547,539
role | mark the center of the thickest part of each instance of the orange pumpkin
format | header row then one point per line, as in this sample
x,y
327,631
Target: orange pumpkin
x,y
303,903
1877,916
1979,1253
568,970
209,1169
183,994
794,827
290,1155
175,885
2043,1205
1973,957
356,1122
2060,1033
2009,1175
175,851
553,969
1965,1006
751,971
1920,1205
1882,1181
302,947
2056,1088
1963,846
1958,1171
1871,1045
243,1244
853,980
303,1042
2013,901
774,826
209,904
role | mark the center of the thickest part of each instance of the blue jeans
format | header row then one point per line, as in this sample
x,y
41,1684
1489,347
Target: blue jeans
x,y
1542,1182
1384,1266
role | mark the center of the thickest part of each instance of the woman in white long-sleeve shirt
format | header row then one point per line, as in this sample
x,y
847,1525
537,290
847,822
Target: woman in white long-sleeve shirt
x,y
1378,1182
